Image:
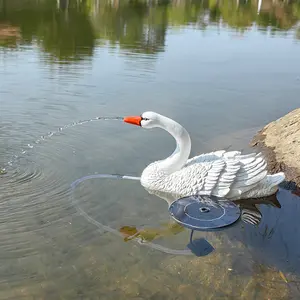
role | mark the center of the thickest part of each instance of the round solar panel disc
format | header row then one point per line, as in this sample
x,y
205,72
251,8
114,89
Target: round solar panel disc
x,y
204,212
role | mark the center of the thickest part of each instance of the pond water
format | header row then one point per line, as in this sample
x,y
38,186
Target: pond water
x,y
223,69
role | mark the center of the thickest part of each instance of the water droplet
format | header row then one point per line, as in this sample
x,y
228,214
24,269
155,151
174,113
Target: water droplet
x,y
50,134
2,171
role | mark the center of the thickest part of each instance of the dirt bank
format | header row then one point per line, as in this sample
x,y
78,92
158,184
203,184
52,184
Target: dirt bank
x,y
280,142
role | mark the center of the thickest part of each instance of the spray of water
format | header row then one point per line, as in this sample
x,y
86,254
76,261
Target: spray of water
x,y
26,149
101,226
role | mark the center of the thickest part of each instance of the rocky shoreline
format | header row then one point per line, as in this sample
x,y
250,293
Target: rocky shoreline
x,y
279,141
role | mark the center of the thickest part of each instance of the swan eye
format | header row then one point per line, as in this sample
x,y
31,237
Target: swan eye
x,y
145,119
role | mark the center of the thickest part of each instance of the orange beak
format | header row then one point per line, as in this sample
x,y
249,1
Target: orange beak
x,y
135,120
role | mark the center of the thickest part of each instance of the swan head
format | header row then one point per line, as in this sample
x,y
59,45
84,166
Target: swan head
x,y
147,119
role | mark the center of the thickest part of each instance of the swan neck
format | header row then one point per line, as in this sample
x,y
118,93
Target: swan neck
x,y
183,146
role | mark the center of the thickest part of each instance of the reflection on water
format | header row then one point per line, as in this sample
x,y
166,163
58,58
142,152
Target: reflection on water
x,y
70,30
268,231
220,68
250,209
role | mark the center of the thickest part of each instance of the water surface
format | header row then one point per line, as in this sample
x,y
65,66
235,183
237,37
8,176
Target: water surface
x,y
223,69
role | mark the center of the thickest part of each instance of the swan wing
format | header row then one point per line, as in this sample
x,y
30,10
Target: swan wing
x,y
207,157
241,174
218,170
249,176
226,177
199,176
224,173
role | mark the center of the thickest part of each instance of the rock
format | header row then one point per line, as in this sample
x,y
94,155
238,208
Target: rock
x,y
280,143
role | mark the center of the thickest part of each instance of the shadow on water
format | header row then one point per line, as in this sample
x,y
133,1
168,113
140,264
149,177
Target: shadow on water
x,y
268,228
68,31
274,238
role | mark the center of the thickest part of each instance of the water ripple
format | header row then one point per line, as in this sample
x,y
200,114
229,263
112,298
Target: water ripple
x,y
35,189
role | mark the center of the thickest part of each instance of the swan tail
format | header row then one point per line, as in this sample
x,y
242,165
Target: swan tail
x,y
267,187
275,179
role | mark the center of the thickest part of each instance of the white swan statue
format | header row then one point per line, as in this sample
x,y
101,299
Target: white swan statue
x,y
223,174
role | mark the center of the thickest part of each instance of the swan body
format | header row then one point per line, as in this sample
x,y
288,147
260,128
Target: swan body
x,y
221,173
